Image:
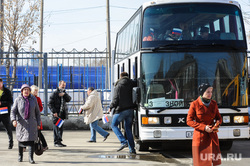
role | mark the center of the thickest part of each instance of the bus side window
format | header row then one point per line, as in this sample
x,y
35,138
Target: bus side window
x,y
123,68
129,68
135,68
118,72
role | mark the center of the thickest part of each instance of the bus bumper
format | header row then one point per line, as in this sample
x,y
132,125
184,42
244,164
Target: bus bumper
x,y
186,133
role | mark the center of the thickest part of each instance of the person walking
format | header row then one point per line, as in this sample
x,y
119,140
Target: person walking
x,y
93,112
58,107
25,116
34,92
202,115
124,110
6,100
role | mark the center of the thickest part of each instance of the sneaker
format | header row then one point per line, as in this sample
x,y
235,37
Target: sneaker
x,y
63,145
106,137
132,153
58,145
122,147
90,141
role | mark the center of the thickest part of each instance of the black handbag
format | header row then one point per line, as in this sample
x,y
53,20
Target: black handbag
x,y
38,146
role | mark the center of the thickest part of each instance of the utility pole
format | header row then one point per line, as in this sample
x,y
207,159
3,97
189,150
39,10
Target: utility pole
x,y
108,56
1,29
40,74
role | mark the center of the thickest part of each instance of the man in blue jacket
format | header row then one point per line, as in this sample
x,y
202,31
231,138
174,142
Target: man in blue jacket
x,y
6,100
124,110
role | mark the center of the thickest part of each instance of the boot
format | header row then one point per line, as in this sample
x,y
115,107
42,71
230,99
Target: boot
x,y
31,154
20,154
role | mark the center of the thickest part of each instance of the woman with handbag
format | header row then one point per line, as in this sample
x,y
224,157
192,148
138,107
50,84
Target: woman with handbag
x,y
25,116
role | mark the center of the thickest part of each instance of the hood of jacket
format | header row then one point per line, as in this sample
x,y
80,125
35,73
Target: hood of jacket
x,y
94,93
122,80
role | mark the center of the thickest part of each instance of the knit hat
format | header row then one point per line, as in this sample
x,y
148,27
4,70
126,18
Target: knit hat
x,y
25,86
203,87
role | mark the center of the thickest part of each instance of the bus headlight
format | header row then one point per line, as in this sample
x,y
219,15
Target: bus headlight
x,y
240,119
167,120
153,120
226,119
150,120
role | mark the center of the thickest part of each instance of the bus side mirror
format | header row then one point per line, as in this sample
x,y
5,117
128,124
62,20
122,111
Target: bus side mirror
x,y
136,95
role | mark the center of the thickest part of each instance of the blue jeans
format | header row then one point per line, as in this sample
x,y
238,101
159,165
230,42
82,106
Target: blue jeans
x,y
58,132
127,116
93,128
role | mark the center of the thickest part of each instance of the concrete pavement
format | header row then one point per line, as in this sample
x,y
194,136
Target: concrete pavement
x,y
79,152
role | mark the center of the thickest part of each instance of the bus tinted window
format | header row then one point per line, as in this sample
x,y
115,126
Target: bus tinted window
x,y
192,22
171,79
128,38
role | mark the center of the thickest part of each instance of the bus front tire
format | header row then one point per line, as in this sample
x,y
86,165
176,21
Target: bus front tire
x,y
142,146
226,145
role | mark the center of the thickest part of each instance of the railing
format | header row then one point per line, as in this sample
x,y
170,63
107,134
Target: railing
x,y
79,69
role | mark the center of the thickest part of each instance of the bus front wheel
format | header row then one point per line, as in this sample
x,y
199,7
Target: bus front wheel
x,y
226,145
142,146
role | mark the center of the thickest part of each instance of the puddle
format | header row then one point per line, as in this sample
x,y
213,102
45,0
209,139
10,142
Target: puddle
x,y
146,157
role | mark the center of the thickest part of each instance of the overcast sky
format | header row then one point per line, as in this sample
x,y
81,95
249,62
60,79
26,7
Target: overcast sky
x,y
81,24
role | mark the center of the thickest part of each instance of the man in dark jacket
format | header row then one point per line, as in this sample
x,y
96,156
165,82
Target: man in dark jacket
x,y
6,100
59,109
124,110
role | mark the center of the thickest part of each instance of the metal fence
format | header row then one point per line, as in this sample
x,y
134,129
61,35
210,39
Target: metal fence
x,y
79,69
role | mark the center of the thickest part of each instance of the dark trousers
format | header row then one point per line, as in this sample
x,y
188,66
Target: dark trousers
x,y
58,132
6,122
41,137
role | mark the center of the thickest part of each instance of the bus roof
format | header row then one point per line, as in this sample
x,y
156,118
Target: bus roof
x,y
157,2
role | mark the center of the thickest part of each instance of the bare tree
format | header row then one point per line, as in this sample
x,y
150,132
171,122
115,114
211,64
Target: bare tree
x,y
21,22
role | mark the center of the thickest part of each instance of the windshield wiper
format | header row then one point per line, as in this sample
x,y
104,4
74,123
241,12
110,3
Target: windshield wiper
x,y
235,108
162,109
172,45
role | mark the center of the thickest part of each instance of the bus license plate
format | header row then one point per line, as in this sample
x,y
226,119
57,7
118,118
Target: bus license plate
x,y
174,103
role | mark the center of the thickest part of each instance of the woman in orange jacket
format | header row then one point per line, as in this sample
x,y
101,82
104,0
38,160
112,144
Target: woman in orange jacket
x,y
202,115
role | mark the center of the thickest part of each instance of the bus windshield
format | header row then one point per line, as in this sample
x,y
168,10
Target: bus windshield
x,y
170,80
195,21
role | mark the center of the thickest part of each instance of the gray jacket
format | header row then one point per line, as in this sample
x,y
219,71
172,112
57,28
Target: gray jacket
x,y
26,130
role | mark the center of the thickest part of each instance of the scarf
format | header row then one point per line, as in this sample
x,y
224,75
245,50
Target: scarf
x,y
61,107
27,108
206,102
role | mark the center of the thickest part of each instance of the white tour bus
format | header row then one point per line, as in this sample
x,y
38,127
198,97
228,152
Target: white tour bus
x,y
171,47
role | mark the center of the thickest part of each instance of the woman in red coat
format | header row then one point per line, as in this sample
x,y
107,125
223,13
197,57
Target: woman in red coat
x,y
34,92
202,115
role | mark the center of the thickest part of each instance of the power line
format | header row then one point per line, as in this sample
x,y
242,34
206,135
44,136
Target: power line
x,y
85,22
79,40
72,10
83,9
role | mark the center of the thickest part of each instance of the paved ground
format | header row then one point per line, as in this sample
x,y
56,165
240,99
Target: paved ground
x,y
79,152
